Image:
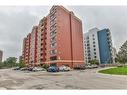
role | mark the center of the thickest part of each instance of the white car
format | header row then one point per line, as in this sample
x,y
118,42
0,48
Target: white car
x,y
64,68
38,69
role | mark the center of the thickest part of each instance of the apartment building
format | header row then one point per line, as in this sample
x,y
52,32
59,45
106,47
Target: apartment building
x,y
1,55
41,46
59,39
91,45
33,46
26,49
105,46
98,45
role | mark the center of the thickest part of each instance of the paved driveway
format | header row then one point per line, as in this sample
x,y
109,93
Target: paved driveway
x,y
86,79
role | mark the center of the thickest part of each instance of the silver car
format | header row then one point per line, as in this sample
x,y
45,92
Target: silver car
x,y
35,69
64,68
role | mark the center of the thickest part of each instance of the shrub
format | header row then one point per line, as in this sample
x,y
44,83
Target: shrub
x,y
46,66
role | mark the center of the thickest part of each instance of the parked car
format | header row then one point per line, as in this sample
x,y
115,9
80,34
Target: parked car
x,y
79,67
88,67
91,66
17,68
24,69
30,69
64,68
38,69
102,66
120,65
94,66
53,69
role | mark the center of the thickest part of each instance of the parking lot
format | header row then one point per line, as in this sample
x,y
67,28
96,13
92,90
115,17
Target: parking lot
x,y
82,79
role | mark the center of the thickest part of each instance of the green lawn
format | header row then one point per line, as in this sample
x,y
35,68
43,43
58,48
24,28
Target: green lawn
x,y
116,71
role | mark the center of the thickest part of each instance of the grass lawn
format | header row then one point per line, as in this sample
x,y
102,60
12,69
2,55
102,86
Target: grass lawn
x,y
116,71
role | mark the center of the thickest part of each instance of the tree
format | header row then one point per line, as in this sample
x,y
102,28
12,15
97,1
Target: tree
x,y
122,54
22,64
46,66
94,62
1,65
10,62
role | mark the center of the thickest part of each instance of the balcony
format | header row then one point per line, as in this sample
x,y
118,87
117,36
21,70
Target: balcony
x,y
53,52
53,45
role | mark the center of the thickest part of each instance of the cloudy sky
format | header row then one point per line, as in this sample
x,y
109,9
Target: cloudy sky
x,y
17,21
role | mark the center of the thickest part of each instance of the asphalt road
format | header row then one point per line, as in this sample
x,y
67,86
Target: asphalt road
x,y
85,79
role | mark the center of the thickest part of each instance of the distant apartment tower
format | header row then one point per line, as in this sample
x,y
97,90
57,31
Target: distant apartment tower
x,y
59,39
33,46
26,49
1,55
98,45
105,46
91,45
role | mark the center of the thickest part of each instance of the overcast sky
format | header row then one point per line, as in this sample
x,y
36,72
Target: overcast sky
x,y
16,22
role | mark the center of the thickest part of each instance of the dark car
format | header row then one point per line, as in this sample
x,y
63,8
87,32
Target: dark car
x,y
24,69
30,68
53,69
17,68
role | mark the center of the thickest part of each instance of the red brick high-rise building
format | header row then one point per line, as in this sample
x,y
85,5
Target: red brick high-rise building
x,y
57,40
26,49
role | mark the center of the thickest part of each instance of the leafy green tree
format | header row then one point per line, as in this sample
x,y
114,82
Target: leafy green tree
x,y
22,64
10,62
94,62
122,54
46,66
1,65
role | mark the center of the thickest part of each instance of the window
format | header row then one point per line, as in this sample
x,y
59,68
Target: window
x,y
52,16
53,51
41,49
41,54
53,45
94,46
42,29
53,39
87,38
89,51
41,59
94,53
94,49
87,41
53,21
89,54
88,44
41,34
53,58
88,48
89,58
53,27
53,33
